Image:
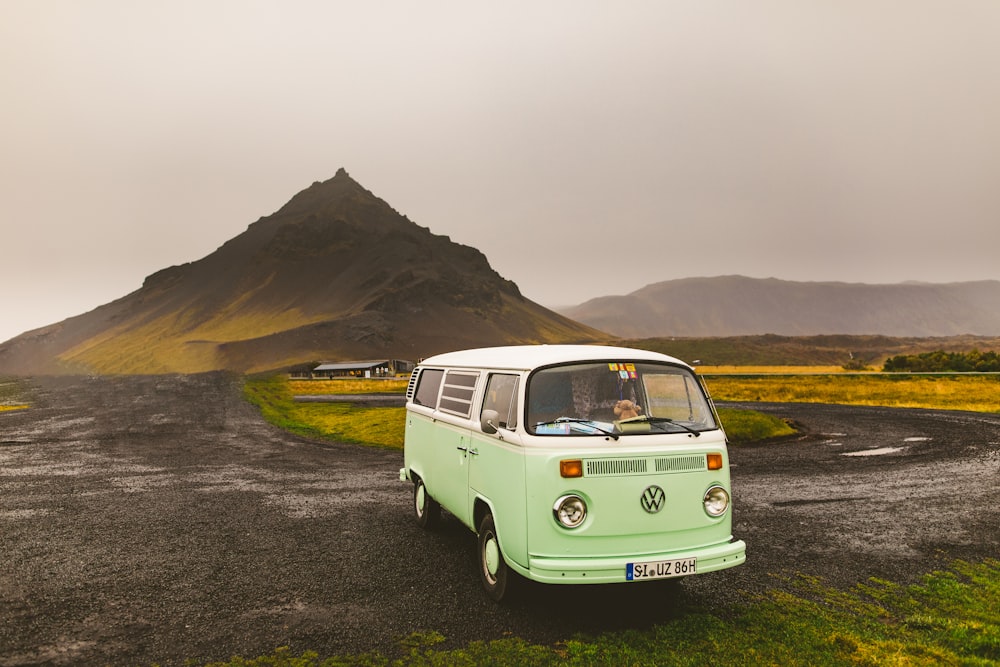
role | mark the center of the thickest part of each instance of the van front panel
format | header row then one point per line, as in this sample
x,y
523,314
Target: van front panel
x,y
643,504
497,477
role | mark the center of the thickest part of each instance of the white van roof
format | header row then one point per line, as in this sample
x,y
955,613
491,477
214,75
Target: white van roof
x,y
526,357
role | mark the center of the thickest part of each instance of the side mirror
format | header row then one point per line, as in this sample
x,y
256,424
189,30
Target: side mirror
x,y
488,421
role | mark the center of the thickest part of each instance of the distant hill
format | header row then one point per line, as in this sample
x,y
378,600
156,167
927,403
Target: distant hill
x,y
336,273
740,306
857,352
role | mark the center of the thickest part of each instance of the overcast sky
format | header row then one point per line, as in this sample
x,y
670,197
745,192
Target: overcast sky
x,y
587,148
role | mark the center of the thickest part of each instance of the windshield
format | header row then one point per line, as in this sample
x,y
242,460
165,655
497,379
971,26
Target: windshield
x,y
615,397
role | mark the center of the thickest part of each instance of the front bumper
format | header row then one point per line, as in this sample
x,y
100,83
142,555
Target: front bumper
x,y
557,570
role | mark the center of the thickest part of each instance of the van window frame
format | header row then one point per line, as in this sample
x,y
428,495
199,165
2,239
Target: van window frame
x,y
425,375
509,421
686,373
458,388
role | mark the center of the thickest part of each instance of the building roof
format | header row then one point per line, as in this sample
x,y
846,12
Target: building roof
x,y
352,365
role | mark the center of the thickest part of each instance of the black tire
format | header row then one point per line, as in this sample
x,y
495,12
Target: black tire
x,y
493,571
426,510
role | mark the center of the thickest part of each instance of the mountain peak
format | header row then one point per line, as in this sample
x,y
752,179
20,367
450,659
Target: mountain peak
x,y
340,197
336,273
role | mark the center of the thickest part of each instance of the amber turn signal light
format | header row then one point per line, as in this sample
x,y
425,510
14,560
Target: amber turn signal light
x,y
714,461
571,468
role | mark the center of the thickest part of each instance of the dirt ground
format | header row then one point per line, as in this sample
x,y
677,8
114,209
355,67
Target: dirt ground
x,y
159,519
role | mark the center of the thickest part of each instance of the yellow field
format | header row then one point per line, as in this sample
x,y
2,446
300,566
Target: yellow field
x,y
978,393
782,384
771,370
347,386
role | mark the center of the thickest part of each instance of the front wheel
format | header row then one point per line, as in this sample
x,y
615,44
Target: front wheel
x,y
493,571
426,510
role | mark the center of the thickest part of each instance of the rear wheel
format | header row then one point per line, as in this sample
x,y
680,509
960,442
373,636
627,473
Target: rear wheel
x,y
493,570
427,511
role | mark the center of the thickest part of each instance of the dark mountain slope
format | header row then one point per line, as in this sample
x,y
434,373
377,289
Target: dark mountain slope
x,y
737,306
335,273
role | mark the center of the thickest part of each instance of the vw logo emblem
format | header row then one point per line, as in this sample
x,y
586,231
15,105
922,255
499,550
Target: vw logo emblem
x,y
652,499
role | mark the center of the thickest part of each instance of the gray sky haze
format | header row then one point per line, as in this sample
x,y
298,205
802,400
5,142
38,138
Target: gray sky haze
x,y
587,148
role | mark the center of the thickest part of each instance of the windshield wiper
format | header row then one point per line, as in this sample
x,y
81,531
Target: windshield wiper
x,y
585,422
646,419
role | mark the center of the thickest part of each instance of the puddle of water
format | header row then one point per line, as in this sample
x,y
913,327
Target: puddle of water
x,y
918,439
874,452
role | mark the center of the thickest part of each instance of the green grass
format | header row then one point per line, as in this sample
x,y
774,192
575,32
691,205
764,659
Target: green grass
x,y
342,422
744,426
951,617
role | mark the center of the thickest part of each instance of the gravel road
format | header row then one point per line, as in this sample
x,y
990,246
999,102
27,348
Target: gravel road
x,y
159,519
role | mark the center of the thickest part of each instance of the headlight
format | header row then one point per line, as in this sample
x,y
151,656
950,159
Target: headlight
x,y
570,511
716,501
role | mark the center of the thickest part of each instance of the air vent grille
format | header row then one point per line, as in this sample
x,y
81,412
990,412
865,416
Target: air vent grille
x,y
644,466
680,463
599,467
412,385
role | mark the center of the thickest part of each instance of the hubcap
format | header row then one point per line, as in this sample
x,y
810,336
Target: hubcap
x,y
491,557
421,492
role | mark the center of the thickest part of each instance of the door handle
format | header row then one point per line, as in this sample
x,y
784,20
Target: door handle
x,y
462,449
474,452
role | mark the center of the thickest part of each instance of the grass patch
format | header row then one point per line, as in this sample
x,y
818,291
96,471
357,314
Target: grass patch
x,y
346,423
341,422
977,393
951,617
744,426
13,395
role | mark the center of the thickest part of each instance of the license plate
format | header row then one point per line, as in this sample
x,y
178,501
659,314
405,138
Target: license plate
x,y
660,569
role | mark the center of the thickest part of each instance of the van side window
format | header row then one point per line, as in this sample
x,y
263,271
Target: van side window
x,y
427,387
501,395
456,396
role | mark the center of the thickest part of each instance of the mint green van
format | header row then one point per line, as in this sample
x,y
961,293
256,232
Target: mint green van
x,y
574,464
